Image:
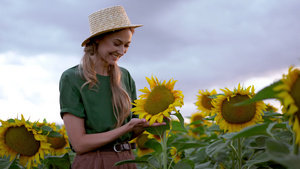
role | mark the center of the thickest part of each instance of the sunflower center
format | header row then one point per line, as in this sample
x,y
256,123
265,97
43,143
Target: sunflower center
x,y
159,100
295,93
57,142
141,140
22,141
238,114
198,118
206,102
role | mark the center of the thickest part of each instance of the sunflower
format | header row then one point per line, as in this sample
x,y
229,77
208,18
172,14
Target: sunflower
x,y
198,119
153,136
19,137
175,155
159,101
233,118
140,143
290,95
271,108
204,102
52,125
59,145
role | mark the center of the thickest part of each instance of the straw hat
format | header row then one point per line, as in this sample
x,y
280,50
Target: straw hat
x,y
108,19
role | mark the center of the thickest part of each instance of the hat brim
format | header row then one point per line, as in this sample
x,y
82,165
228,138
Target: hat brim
x,y
109,30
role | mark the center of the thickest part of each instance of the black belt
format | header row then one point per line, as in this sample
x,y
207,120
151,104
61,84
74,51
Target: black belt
x,y
118,147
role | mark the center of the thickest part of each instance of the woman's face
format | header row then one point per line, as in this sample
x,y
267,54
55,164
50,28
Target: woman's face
x,y
113,46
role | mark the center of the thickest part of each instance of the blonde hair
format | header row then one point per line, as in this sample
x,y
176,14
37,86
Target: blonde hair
x,y
120,100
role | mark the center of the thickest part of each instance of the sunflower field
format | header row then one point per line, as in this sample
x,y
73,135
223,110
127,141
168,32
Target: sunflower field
x,y
231,129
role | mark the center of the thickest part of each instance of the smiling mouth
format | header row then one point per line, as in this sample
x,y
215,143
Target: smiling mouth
x,y
116,56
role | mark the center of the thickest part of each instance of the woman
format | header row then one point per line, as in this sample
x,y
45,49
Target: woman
x,y
96,95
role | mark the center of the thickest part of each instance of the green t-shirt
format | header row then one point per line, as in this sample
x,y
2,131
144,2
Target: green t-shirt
x,y
94,106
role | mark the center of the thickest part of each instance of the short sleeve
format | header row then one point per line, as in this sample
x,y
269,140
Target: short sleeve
x,y
70,98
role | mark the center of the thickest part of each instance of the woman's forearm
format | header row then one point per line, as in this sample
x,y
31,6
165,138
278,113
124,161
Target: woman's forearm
x,y
82,142
88,142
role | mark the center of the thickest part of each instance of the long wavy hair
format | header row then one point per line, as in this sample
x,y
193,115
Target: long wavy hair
x,y
120,100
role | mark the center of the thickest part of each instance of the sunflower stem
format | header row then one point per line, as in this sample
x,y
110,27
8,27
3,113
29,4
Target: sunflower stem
x,y
239,153
232,159
234,154
233,148
164,148
172,161
46,165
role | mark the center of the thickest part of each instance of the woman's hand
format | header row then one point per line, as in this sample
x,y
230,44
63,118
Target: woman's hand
x,y
137,126
135,122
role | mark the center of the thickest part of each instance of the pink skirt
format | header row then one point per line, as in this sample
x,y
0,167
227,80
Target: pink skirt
x,y
103,160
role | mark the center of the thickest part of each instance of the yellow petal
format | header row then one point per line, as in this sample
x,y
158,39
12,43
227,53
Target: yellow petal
x,y
160,118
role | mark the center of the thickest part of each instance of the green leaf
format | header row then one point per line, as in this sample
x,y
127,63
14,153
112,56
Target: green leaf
x,y
196,122
267,120
284,135
214,127
203,165
258,129
181,119
170,139
272,114
263,157
54,134
154,162
158,130
176,126
210,117
130,161
45,121
46,128
187,161
62,162
16,165
214,96
5,163
182,146
11,120
181,165
199,129
266,93
277,148
143,158
199,156
280,153
216,147
261,141
154,144
228,135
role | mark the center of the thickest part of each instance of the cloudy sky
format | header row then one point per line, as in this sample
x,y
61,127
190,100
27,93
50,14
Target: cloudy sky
x,y
204,44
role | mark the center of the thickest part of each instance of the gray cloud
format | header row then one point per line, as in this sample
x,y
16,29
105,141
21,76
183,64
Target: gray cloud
x,y
202,44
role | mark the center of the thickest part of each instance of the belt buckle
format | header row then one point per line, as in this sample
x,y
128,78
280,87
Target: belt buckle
x,y
126,146
115,148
